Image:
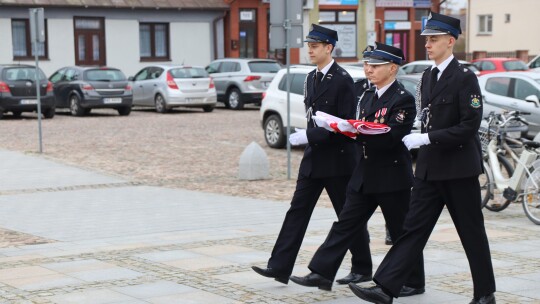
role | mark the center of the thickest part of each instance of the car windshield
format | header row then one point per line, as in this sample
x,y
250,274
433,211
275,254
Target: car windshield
x,y
188,73
264,66
515,65
104,75
22,73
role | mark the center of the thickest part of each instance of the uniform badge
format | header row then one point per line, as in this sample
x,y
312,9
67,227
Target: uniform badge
x,y
383,113
329,76
400,116
401,92
475,101
365,85
465,70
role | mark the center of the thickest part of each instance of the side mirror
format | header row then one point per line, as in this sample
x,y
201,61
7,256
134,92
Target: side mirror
x,y
533,99
130,78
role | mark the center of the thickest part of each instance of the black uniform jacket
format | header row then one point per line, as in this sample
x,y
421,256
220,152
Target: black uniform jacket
x,y
455,113
360,86
329,154
385,164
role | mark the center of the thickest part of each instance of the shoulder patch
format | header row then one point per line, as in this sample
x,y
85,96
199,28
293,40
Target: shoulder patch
x,y
475,101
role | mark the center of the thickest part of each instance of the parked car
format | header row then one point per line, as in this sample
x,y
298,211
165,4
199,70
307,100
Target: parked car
x,y
241,81
535,64
419,66
273,111
82,89
493,65
514,91
168,86
18,91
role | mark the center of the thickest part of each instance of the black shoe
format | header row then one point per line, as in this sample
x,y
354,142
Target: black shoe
x,y
354,278
489,299
410,291
373,294
270,273
313,280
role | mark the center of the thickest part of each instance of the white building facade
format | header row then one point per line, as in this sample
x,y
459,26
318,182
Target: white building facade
x,y
501,25
124,38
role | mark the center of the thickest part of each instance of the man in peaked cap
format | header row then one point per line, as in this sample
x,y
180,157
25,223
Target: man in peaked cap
x,y
360,86
327,163
382,177
447,167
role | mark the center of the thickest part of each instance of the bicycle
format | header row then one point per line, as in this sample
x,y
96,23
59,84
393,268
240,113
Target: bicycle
x,y
523,184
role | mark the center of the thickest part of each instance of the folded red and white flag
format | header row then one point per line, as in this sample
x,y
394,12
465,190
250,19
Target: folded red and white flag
x,y
366,127
352,127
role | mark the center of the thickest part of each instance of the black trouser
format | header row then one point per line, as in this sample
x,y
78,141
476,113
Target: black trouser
x,y
462,199
297,219
357,211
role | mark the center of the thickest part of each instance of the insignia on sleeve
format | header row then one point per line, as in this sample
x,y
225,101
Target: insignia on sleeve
x,y
400,117
475,101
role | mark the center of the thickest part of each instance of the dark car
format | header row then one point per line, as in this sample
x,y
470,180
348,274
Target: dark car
x,y
82,89
18,91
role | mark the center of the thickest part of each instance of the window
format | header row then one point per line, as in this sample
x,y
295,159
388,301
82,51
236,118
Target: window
x,y
154,41
22,46
485,24
213,67
487,66
344,23
419,13
498,85
523,89
515,65
264,66
229,66
297,83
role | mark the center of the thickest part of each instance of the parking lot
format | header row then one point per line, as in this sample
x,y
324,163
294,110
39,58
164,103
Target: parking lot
x,y
185,148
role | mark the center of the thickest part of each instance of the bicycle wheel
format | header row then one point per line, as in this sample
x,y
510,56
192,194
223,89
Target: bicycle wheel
x,y
497,201
486,184
531,197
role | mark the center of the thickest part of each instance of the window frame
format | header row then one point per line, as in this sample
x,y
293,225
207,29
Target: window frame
x,y
337,23
487,22
28,39
153,56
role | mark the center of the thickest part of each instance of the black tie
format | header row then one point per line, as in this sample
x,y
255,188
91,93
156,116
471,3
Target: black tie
x,y
434,74
318,79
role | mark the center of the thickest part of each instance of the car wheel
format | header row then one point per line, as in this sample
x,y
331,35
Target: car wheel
x,y
16,114
273,132
49,113
124,111
75,106
161,105
208,108
233,99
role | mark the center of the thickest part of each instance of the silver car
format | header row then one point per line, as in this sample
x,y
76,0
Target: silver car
x,y
241,81
165,87
514,91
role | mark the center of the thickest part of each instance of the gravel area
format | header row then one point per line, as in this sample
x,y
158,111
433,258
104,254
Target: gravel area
x,y
185,148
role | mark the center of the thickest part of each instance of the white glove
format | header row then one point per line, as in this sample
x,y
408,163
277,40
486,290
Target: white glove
x,y
298,138
416,140
345,126
321,122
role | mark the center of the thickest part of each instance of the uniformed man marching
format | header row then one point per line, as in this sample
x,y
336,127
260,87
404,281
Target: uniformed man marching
x,y
382,177
447,168
360,86
328,161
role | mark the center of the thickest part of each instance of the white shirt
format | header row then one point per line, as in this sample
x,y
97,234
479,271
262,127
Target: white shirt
x,y
381,91
443,66
326,69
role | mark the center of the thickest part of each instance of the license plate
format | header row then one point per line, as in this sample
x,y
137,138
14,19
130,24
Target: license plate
x,y
112,100
28,101
193,99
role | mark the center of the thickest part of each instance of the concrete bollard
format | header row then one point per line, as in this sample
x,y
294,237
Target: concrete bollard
x,y
253,163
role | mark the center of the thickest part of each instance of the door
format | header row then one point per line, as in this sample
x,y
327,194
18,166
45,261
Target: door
x,y
138,87
248,33
89,41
